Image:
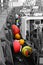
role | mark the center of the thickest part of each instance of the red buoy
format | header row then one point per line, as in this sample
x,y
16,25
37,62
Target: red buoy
x,y
16,46
15,29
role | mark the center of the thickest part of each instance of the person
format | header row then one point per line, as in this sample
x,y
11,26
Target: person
x,y
17,20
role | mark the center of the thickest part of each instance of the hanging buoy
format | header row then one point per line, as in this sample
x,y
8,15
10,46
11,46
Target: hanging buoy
x,y
16,46
27,51
21,41
17,36
15,29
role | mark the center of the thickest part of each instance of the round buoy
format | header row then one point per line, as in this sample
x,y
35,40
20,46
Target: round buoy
x,y
15,29
17,36
21,41
26,51
16,46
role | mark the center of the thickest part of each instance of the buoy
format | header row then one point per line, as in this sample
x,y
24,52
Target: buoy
x,y
21,41
17,36
27,51
16,46
15,29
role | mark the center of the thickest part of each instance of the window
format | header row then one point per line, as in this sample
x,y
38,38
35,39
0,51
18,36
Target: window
x,y
37,22
41,21
42,29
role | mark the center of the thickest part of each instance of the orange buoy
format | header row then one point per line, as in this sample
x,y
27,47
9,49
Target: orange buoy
x,y
17,36
16,46
21,41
